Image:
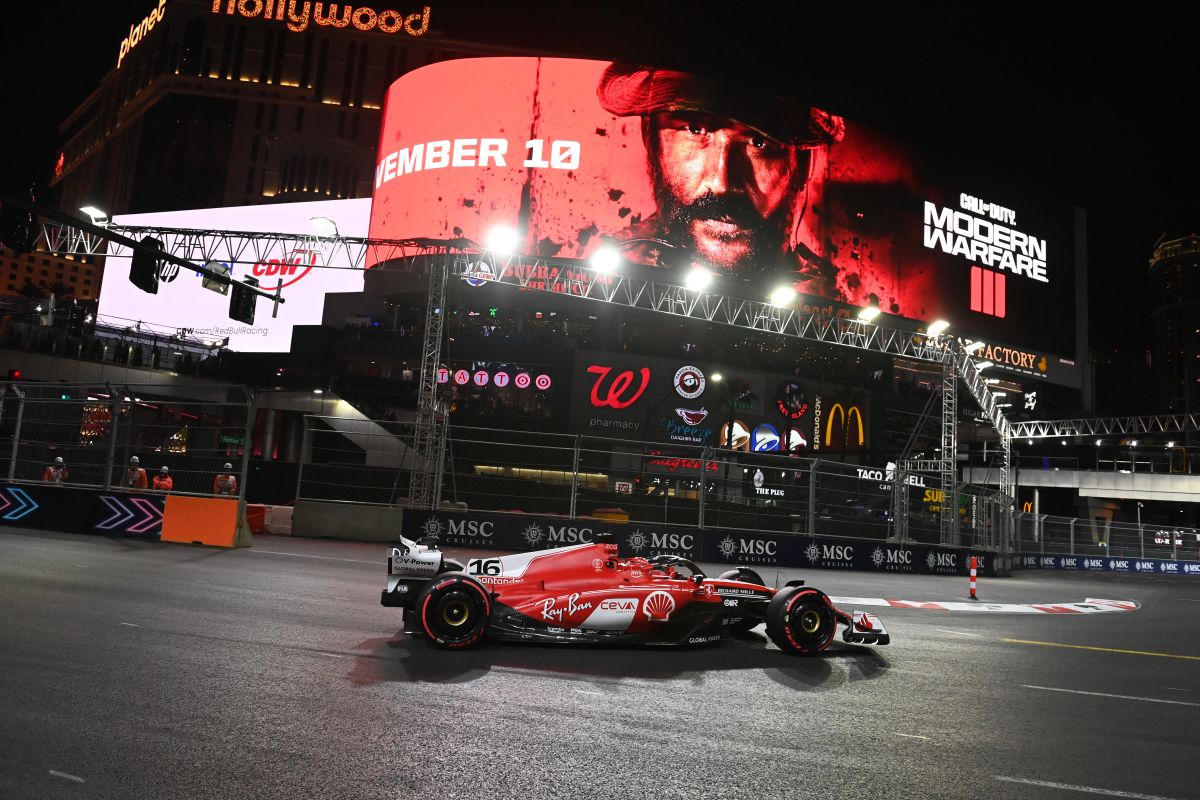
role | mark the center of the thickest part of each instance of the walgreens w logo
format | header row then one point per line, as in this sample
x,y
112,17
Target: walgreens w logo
x,y
618,395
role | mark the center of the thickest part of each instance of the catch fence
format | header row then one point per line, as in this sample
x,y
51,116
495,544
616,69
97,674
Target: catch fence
x,y
1042,534
192,429
369,462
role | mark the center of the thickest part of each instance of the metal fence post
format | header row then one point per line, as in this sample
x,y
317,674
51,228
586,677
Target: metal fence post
x,y
704,456
305,443
575,473
1041,532
247,447
1072,535
12,461
812,498
114,414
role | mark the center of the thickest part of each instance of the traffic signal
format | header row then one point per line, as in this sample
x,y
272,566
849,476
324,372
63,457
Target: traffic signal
x,y
144,267
76,320
242,300
18,229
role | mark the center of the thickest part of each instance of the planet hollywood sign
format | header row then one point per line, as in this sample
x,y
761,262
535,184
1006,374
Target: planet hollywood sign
x,y
298,13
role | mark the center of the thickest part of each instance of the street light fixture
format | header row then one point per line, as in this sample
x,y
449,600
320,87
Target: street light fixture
x,y
973,346
97,216
984,365
697,279
605,260
325,226
782,296
502,239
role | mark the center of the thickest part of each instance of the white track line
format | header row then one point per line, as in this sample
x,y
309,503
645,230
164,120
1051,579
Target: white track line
x,y
58,774
305,555
958,633
1088,606
598,694
911,736
1090,789
130,624
1115,696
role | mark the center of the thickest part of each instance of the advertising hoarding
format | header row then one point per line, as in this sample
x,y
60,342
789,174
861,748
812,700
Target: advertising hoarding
x,y
678,172
686,402
182,306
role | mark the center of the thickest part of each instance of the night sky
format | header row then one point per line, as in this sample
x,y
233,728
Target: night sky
x,y
1094,109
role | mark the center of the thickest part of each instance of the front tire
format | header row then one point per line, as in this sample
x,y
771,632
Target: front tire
x,y
801,620
454,611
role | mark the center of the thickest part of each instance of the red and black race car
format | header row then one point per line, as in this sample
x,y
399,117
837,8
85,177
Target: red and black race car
x,y
587,594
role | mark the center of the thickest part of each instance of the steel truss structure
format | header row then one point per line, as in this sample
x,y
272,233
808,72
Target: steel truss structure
x,y
1118,426
464,259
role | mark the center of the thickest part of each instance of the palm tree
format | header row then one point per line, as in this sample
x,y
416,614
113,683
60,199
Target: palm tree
x,y
30,289
60,289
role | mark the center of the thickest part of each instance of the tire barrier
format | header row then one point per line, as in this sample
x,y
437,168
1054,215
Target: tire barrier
x,y
1155,566
755,549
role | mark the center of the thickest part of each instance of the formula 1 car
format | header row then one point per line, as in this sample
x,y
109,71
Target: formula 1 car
x,y
587,594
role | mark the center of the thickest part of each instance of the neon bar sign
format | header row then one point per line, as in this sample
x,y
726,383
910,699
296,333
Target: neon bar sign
x,y
139,31
297,20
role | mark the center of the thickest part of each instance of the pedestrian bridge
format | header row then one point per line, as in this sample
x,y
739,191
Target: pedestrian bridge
x,y
1100,483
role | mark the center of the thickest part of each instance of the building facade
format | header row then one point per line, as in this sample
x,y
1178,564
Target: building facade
x,y
236,103
1175,321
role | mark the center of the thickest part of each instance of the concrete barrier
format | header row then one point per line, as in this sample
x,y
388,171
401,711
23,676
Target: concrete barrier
x,y
315,520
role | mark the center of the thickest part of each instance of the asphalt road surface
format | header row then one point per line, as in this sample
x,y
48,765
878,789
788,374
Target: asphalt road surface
x,y
133,669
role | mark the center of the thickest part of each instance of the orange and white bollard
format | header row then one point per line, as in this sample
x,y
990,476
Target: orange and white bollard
x,y
974,565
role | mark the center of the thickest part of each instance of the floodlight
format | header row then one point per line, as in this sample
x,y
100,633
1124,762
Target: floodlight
x,y
715,377
317,391
1170,444
999,394
938,327
973,346
984,365
782,296
502,239
869,313
605,260
97,216
697,279
325,226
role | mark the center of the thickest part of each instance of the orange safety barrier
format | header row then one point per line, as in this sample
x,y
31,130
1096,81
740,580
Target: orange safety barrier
x,y
200,520
256,518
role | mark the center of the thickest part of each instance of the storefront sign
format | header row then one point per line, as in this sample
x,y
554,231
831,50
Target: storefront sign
x,y
298,13
136,34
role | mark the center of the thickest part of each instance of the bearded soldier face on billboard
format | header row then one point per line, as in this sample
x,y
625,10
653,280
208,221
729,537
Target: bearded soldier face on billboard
x,y
727,167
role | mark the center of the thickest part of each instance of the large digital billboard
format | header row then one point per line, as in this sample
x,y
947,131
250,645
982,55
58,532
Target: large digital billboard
x,y
681,172
182,306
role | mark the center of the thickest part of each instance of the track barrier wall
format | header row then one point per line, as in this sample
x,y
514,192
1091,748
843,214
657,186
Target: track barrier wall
x,y
201,520
74,510
756,549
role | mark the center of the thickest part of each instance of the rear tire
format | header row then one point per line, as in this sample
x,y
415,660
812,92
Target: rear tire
x,y
745,575
454,611
800,620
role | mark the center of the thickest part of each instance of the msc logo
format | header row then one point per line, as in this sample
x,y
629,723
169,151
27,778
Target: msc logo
x,y
1191,569
533,534
1046,562
616,390
1144,566
729,548
1069,563
671,541
432,527
1119,564
637,540
471,528
1168,566
837,552
1093,563
565,535
937,560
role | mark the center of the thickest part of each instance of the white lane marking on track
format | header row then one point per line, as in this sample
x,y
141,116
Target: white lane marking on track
x,y
1116,696
341,598
328,655
58,774
911,736
130,624
598,694
305,555
82,565
1176,689
1089,606
1189,599
1089,789
958,633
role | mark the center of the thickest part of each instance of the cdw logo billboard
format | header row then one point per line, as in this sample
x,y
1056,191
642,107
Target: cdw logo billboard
x,y
286,267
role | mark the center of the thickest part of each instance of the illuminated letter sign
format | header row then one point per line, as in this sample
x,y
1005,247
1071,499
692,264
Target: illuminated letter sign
x,y
844,418
618,387
364,18
139,31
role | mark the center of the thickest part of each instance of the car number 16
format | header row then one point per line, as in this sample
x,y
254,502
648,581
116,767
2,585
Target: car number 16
x,y
483,566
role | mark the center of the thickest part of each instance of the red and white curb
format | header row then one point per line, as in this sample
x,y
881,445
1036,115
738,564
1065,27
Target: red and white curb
x,y
1088,606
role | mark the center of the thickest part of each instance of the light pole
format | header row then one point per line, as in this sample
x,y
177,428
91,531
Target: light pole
x,y
1141,537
